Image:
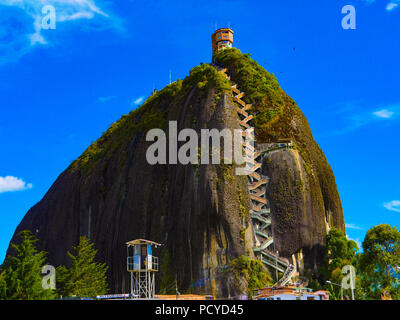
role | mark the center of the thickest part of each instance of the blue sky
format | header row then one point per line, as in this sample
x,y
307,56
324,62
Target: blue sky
x,y
60,89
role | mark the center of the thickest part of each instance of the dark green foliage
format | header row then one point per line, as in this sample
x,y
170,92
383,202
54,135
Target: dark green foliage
x,y
206,76
253,271
339,251
22,277
3,285
376,267
380,261
271,107
261,88
85,277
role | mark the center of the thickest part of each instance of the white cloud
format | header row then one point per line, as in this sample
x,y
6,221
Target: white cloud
x,y
21,21
386,114
354,116
136,102
391,6
393,205
106,99
353,226
10,184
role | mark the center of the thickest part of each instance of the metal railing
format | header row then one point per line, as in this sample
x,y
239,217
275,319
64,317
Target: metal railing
x,y
130,265
154,263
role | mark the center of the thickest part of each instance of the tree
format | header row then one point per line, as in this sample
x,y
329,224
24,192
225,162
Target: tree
x,y
339,251
3,285
380,261
22,277
85,278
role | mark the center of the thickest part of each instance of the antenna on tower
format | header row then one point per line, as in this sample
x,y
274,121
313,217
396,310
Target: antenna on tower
x,y
170,77
215,25
229,24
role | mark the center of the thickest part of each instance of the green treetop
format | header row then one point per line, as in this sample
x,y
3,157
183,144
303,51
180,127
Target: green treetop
x,y
380,261
3,285
85,277
339,251
22,278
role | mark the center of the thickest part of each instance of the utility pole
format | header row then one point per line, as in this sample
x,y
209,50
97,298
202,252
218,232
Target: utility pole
x,y
352,283
176,287
341,287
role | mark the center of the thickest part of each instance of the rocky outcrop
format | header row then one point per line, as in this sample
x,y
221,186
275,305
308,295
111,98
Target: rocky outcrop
x,y
298,226
200,213
302,191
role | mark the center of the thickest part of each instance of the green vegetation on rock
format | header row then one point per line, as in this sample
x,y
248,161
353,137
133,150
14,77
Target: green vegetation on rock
x,y
261,88
253,271
206,76
276,116
152,114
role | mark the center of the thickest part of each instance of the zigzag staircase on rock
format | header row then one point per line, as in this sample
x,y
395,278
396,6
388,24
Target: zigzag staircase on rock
x,y
260,211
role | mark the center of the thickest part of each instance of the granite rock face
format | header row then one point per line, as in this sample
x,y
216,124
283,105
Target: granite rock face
x,y
200,213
